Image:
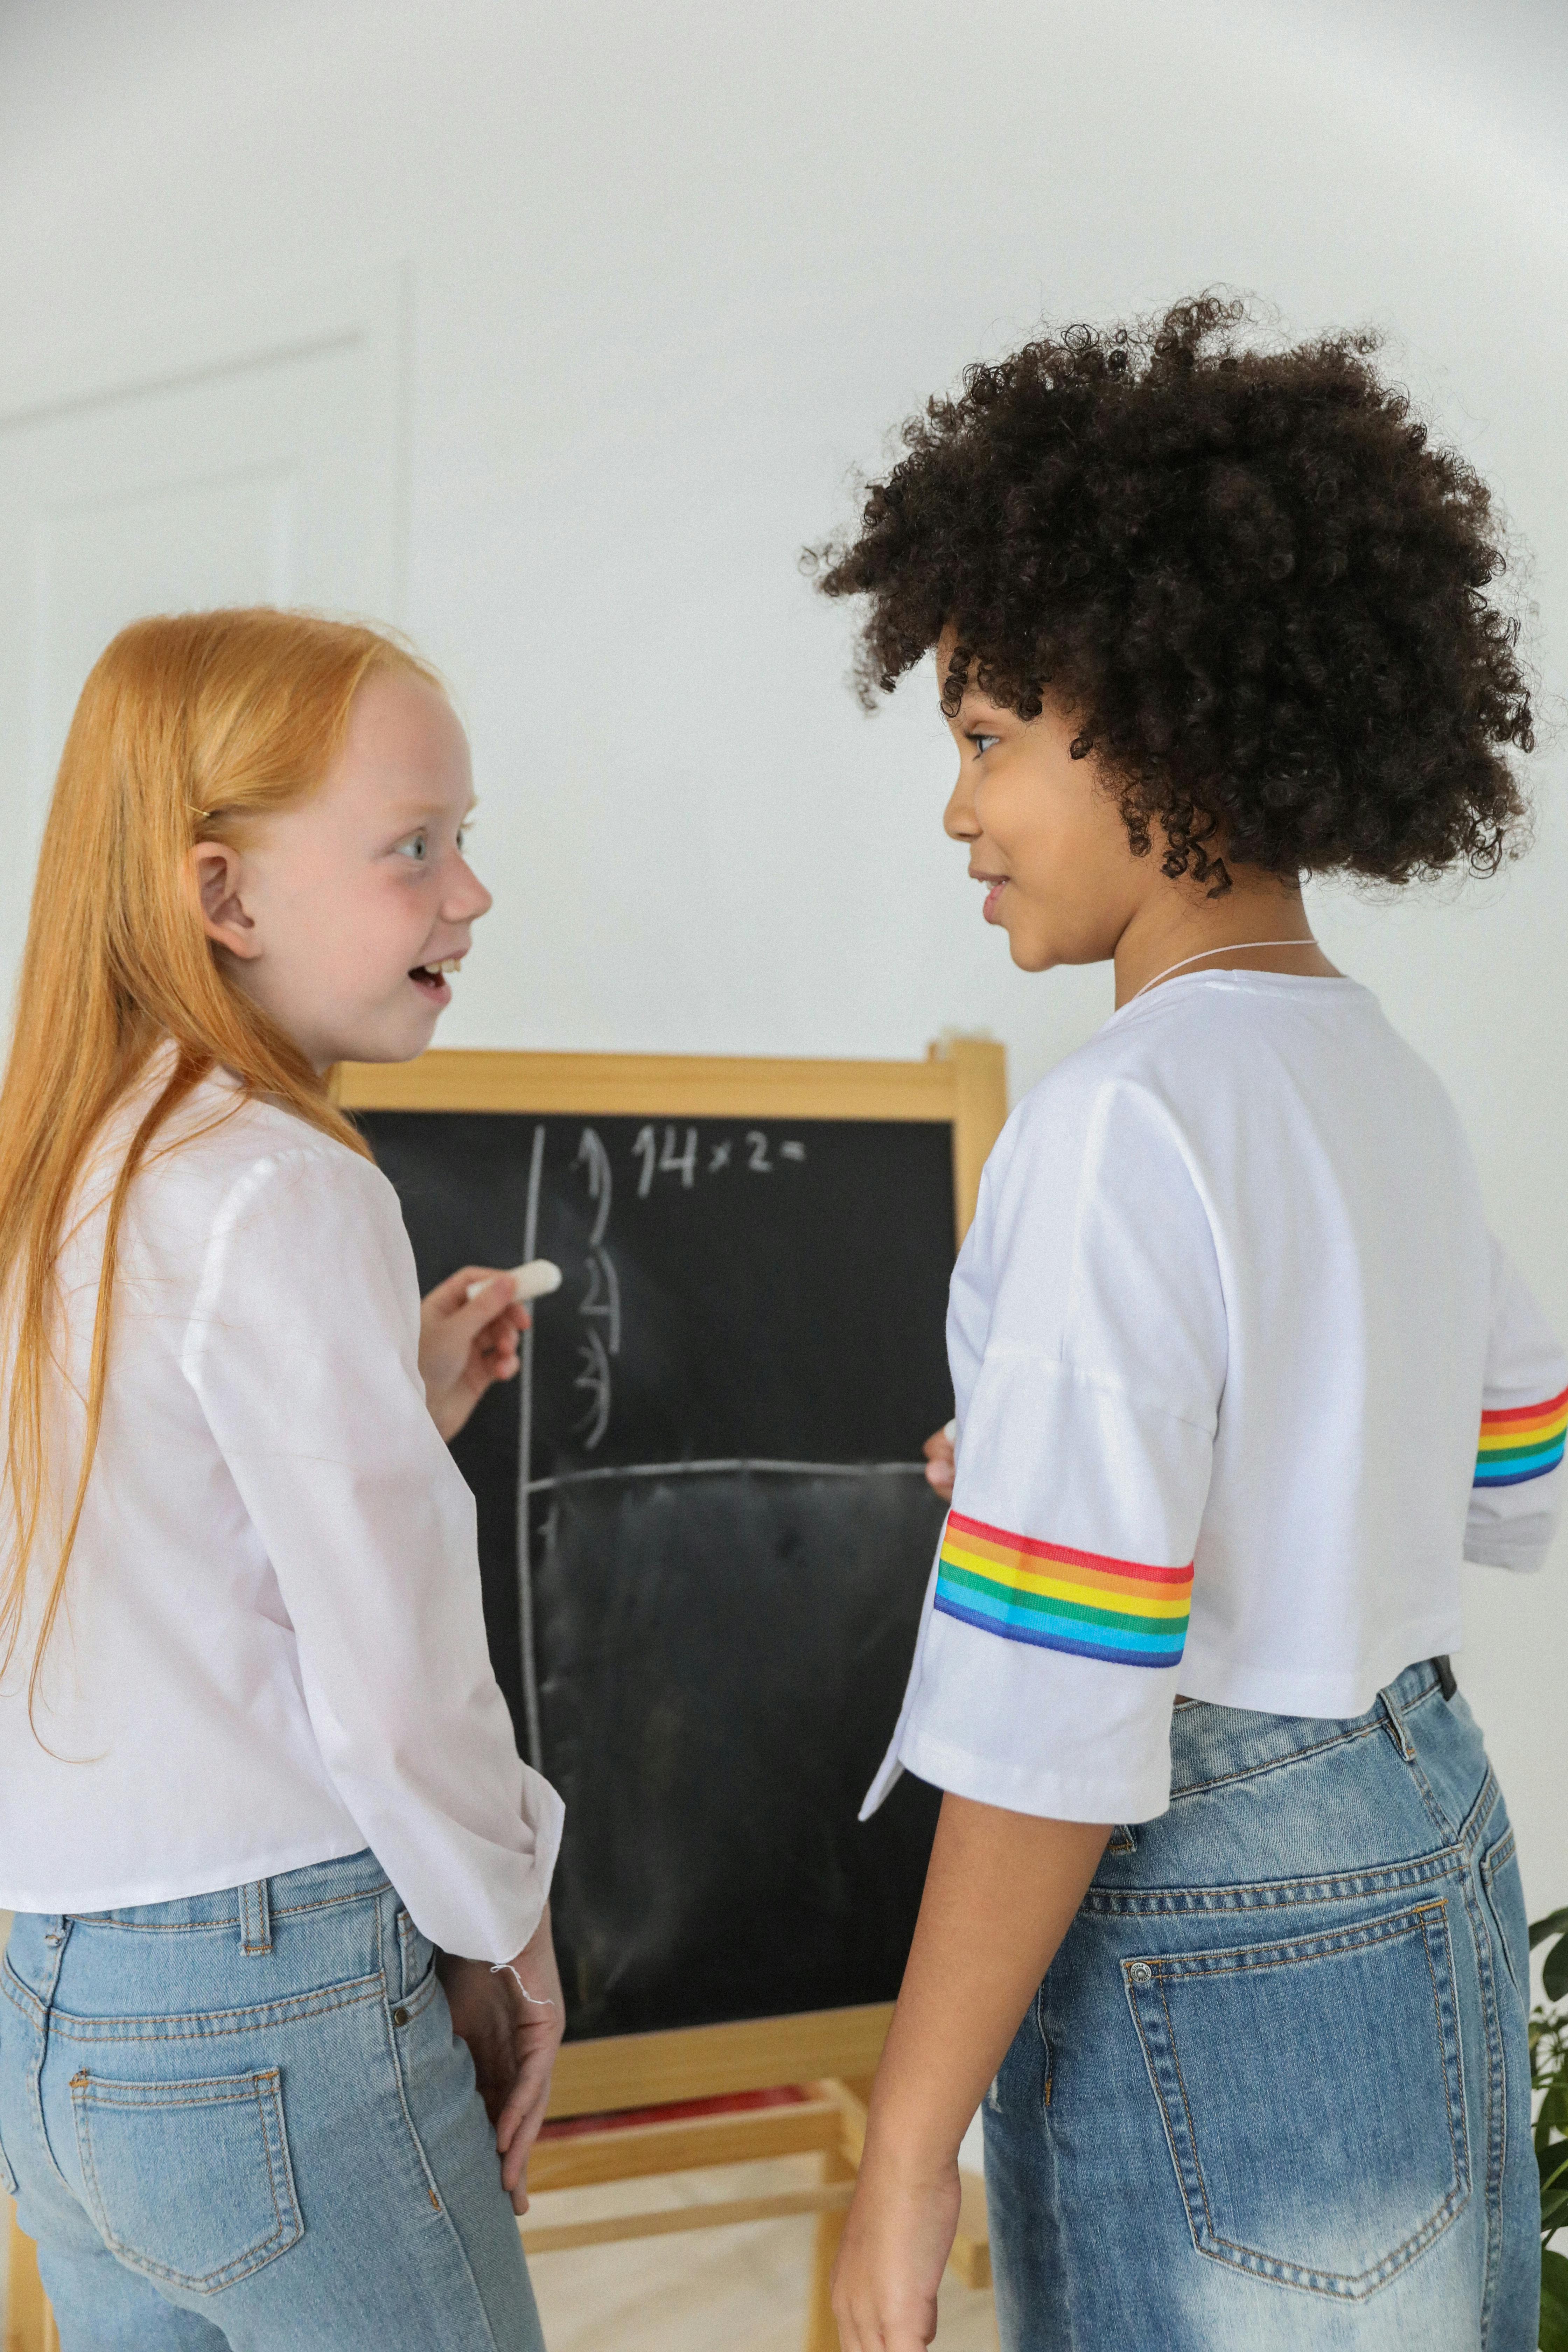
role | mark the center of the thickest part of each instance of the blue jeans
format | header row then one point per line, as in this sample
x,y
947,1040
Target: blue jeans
x,y
242,2120
1274,2092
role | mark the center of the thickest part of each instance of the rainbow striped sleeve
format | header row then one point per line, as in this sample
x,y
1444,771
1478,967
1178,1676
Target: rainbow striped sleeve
x,y
1114,1610
1525,1443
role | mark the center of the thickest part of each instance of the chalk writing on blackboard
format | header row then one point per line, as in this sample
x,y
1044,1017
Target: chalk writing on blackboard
x,y
593,1157
603,1297
595,1377
678,1155
600,1306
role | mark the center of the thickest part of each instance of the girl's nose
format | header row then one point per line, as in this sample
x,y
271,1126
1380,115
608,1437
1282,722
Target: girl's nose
x,y
959,821
468,899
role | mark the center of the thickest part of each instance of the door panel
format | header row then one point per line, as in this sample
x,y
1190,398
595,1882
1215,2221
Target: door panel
x,y
257,462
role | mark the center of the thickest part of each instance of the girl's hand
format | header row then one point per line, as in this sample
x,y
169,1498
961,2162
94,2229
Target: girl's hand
x,y
484,2015
896,2240
464,1343
1001,1892
940,1463
513,2042
532,1982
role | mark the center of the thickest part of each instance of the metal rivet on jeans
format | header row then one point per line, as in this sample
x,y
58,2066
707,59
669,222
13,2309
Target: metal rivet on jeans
x,y
54,1939
1140,1972
400,2017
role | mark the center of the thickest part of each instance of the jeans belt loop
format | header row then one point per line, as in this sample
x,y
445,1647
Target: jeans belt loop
x,y
1396,1728
56,1935
255,1919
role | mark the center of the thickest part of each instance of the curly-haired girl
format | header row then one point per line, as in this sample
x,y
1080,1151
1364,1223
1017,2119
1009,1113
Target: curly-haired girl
x,y
1218,1828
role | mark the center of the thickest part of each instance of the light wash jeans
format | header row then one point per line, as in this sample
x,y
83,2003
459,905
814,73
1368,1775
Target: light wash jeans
x,y
1274,2093
242,2120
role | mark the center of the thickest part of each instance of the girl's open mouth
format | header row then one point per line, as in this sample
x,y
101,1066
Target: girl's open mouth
x,y
430,979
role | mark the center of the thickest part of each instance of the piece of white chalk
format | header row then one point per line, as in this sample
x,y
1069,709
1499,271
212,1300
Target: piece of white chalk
x,y
537,1279
950,1432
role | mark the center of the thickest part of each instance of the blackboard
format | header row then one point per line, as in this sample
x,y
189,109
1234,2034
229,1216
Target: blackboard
x,y
704,1535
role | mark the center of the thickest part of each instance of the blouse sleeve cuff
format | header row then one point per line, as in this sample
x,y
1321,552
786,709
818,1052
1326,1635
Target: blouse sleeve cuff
x,y
1521,1549
499,1910
545,1814
1023,1789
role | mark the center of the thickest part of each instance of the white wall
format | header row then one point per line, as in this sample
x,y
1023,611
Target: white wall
x,y
675,270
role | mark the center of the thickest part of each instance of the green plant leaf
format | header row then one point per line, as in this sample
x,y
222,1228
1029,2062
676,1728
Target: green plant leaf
x,y
1554,2107
1554,1975
1553,2164
1553,2303
1555,1923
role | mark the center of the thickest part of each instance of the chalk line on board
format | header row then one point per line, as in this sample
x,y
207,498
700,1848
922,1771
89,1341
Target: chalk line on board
x,y
742,1462
525,1486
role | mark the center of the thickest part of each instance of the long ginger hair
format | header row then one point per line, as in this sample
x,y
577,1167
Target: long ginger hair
x,y
188,730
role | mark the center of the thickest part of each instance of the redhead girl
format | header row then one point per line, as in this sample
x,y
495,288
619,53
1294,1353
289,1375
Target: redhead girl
x,y
1223,1920
265,1828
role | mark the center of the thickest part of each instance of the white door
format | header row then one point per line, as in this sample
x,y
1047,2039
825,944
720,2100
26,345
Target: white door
x,y
239,461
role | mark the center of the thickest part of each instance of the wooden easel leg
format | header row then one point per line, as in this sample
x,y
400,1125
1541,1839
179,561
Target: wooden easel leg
x,y
821,2327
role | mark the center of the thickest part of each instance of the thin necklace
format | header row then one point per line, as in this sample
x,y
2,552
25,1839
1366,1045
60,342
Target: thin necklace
x,y
1231,947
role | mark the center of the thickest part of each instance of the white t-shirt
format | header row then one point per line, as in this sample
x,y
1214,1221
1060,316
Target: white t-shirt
x,y
1222,1336
273,1652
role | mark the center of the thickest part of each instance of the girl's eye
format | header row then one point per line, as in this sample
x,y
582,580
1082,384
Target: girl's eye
x,y
417,848
983,745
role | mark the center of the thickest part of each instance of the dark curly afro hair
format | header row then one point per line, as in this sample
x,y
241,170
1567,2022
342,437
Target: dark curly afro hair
x,y
1258,590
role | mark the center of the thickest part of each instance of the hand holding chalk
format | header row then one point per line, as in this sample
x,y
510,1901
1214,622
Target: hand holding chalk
x,y
537,1279
465,1347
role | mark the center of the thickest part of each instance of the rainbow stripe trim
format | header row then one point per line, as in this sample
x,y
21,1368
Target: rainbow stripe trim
x,y
1525,1443
1114,1610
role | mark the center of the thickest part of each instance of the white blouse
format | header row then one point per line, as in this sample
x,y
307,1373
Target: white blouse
x,y
273,1652
1241,1377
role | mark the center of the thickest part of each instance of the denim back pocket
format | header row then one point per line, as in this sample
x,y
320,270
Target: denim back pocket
x,y
1312,2097
188,2182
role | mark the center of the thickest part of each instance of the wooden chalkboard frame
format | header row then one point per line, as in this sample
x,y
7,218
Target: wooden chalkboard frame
x,y
963,1084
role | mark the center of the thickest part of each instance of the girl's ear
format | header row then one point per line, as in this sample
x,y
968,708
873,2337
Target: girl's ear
x,y
214,873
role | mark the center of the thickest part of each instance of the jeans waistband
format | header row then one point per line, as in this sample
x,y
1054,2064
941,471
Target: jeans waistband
x,y
265,1941
1210,1743
249,1910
